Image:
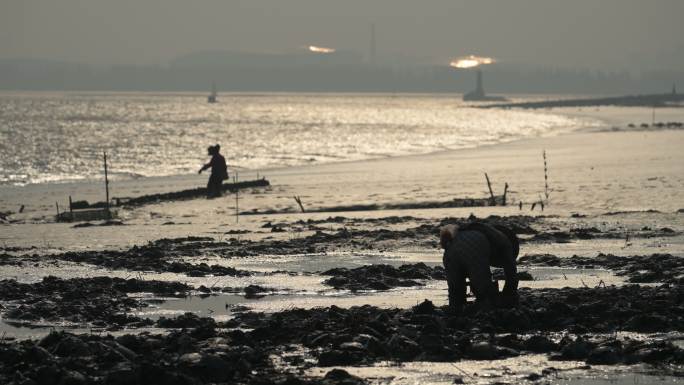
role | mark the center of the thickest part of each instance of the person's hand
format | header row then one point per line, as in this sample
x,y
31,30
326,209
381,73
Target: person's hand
x,y
200,171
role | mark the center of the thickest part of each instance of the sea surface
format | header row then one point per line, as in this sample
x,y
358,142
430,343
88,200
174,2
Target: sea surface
x,y
58,137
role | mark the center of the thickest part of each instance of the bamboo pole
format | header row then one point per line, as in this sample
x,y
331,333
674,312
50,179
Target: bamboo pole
x,y
546,178
237,191
106,184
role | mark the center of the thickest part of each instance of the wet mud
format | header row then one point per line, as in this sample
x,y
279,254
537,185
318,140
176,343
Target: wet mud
x,y
566,324
652,268
366,334
382,277
100,301
584,233
158,256
186,357
577,324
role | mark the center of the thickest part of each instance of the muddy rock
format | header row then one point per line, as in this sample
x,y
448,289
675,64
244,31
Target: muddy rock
x,y
604,355
256,291
203,326
381,277
539,344
578,349
341,377
425,307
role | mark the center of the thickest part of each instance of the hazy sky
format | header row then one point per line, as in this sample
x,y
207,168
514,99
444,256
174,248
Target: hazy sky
x,y
623,34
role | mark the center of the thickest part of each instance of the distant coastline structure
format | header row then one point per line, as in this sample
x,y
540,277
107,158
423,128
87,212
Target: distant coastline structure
x,y
478,94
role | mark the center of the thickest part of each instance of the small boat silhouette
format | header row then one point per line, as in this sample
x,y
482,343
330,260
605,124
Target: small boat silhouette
x,y
212,98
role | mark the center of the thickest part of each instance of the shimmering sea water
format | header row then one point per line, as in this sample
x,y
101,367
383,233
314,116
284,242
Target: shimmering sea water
x,y
53,137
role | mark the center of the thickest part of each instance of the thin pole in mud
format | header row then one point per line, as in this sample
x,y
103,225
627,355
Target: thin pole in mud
x,y
106,183
237,191
546,178
504,194
491,193
298,199
71,209
57,206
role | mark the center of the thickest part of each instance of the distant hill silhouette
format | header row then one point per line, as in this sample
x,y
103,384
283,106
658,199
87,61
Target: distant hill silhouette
x,y
309,72
236,59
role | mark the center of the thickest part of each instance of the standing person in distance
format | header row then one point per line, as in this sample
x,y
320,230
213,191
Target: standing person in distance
x,y
219,171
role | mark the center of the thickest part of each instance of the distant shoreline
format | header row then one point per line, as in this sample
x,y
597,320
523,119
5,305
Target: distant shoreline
x,y
651,100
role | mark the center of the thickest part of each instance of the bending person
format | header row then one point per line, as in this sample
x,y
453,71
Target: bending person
x,y
469,252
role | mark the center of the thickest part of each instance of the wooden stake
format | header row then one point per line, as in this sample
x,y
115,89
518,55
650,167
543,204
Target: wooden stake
x,y
299,202
491,193
71,209
57,206
504,194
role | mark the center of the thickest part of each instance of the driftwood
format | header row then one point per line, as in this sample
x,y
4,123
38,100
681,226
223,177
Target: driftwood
x,y
91,214
199,192
195,193
454,203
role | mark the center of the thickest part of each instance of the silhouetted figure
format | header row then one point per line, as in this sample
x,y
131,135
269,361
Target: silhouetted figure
x,y
469,252
219,171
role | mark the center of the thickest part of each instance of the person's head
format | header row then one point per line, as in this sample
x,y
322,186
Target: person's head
x,y
447,234
210,150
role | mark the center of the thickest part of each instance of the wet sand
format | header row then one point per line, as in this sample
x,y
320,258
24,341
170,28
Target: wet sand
x,y
605,259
